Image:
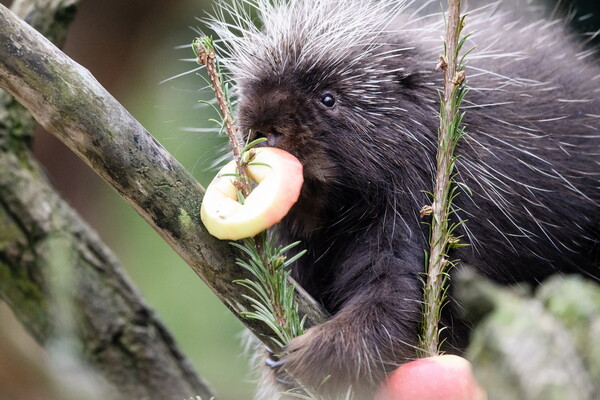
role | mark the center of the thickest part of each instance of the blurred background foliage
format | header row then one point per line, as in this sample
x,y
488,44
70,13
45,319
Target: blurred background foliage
x,y
131,47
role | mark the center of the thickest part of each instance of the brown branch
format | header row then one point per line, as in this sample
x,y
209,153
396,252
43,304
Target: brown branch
x,y
115,329
66,100
44,242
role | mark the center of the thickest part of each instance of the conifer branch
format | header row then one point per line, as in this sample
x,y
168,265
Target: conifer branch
x,y
273,294
273,299
450,131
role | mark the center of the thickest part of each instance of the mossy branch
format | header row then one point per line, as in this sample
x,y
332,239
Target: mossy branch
x,y
450,131
65,286
66,100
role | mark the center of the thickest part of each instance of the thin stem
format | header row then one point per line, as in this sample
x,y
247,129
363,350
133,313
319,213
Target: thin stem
x,y
205,53
440,240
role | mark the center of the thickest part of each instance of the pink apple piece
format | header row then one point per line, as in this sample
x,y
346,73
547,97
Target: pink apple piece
x,y
445,377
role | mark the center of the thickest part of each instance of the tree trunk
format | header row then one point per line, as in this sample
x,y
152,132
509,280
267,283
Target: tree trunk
x,y
42,242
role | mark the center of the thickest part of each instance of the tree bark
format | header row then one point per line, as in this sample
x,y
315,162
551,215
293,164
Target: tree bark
x,y
43,242
66,100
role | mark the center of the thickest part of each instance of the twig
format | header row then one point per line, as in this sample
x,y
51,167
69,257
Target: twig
x,y
441,239
205,53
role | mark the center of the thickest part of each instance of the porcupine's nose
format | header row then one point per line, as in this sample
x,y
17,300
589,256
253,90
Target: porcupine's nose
x,y
273,137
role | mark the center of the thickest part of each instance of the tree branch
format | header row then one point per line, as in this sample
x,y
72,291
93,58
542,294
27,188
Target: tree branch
x,y
43,242
66,100
115,328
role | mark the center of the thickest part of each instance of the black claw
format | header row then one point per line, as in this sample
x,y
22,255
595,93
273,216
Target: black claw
x,y
284,382
272,359
269,352
273,362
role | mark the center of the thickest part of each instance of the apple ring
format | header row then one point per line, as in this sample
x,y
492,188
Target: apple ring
x,y
279,182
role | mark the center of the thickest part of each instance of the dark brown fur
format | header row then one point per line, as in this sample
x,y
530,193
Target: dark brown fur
x,y
531,159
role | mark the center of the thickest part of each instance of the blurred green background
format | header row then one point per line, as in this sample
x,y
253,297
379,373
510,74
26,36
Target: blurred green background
x,y
131,47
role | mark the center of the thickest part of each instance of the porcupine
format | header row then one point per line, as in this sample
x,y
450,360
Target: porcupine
x,y
349,88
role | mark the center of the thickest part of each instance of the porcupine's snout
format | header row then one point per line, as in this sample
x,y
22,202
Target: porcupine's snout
x,y
269,113
290,119
273,136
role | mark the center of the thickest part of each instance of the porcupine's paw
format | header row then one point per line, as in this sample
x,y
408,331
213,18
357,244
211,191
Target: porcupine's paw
x,y
277,383
328,361
275,364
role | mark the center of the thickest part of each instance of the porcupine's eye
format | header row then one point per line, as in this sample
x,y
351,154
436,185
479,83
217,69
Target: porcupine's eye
x,y
328,100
